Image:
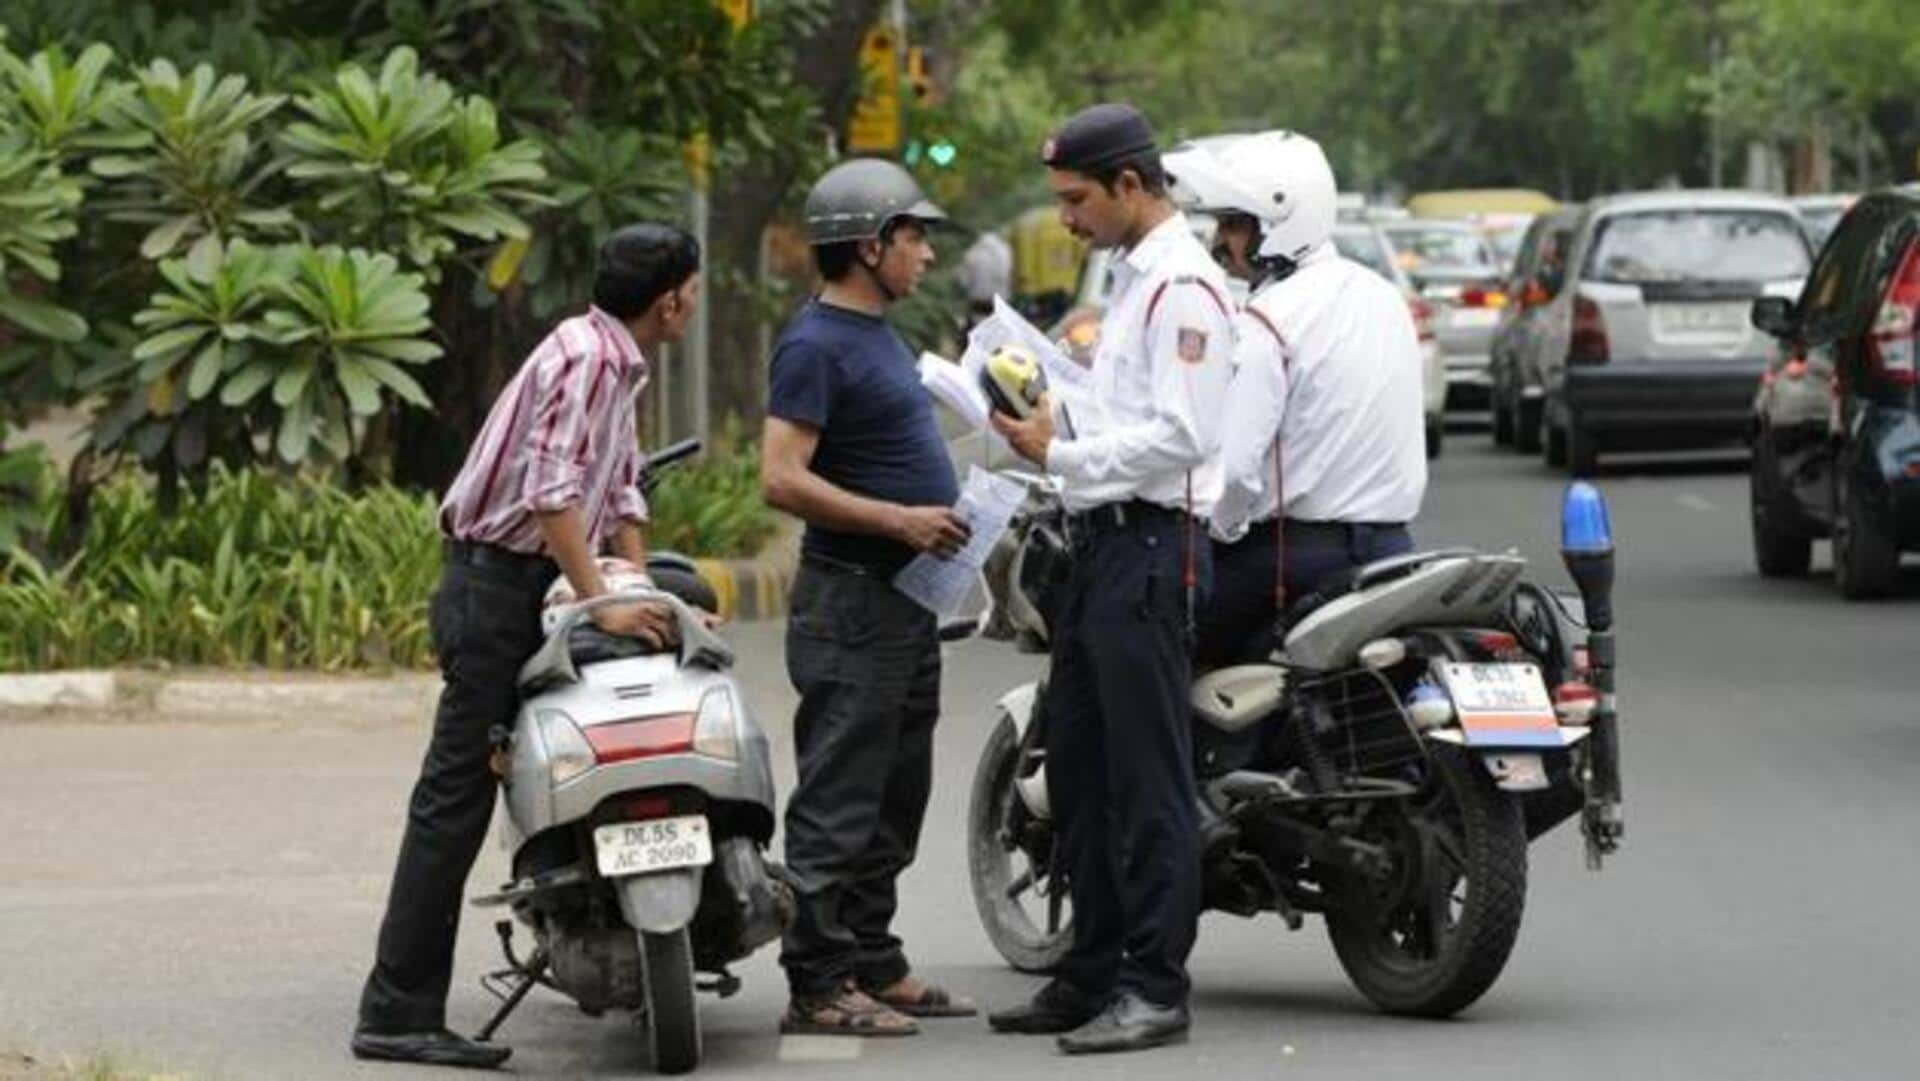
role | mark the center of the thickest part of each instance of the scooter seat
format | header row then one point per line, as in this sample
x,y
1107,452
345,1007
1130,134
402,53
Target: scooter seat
x,y
588,644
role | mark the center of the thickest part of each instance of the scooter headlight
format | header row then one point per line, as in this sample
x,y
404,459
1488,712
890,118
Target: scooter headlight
x,y
716,727
568,753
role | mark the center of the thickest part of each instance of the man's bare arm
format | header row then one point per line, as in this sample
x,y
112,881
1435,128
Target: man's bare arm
x,y
629,542
565,534
786,482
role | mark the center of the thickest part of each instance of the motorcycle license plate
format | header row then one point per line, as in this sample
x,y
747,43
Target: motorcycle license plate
x,y
658,844
1502,705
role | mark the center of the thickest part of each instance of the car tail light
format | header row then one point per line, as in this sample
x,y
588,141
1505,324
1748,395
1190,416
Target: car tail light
x,y
1895,336
1422,317
1481,296
641,737
1589,342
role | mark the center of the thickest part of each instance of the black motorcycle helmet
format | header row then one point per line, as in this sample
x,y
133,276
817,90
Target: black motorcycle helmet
x,y
856,200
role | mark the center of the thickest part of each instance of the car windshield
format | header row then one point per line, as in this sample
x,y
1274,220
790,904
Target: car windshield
x,y
1506,239
1820,221
1363,246
1439,247
1697,245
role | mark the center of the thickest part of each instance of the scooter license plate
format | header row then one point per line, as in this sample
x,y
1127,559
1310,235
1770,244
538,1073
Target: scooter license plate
x,y
1504,705
657,844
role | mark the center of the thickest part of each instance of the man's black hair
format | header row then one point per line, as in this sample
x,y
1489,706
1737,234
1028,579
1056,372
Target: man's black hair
x,y
639,263
1145,165
837,260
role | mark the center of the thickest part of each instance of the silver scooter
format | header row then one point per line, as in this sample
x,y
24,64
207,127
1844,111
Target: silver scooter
x,y
639,802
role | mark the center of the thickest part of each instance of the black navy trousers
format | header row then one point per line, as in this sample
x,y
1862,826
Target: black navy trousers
x,y
485,622
865,661
1120,755
1236,625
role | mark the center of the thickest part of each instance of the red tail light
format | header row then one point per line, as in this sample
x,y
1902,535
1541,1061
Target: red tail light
x,y
1422,318
642,737
1896,329
1483,296
1589,342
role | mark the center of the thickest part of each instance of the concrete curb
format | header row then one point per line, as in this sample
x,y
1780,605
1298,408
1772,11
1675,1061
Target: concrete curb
x,y
218,695
756,588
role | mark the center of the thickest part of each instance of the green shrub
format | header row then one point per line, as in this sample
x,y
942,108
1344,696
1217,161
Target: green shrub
x,y
289,572
711,506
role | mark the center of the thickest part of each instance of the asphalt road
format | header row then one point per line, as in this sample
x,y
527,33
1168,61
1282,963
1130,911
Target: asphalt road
x,y
204,898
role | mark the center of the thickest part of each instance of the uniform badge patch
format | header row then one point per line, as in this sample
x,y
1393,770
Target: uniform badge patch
x,y
1192,345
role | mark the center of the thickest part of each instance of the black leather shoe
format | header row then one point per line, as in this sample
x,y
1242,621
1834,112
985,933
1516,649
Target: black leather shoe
x,y
1057,1007
436,1048
1129,1023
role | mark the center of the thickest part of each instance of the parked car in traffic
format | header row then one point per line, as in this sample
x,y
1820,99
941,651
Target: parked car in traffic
x,y
1366,245
1836,422
1648,344
1540,271
1820,213
1457,272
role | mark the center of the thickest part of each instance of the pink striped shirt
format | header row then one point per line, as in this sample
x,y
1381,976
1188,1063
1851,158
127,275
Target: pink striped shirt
x,y
560,435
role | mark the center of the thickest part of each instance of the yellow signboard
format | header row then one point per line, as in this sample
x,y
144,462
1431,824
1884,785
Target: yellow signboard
x,y
877,126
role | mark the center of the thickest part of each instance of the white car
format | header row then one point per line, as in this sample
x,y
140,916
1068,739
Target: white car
x,y
1364,244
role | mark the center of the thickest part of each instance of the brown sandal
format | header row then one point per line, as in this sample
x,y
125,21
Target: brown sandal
x,y
847,1012
930,1001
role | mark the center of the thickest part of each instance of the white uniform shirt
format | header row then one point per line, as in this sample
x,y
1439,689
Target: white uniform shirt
x,y
1327,365
1158,385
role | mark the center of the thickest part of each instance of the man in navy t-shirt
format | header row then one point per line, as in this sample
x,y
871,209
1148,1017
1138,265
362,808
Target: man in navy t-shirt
x,y
852,449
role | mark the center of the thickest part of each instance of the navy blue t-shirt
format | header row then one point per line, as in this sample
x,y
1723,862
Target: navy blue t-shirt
x,y
849,376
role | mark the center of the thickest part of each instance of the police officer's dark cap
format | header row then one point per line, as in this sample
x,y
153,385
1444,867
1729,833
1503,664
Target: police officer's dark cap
x,y
1099,136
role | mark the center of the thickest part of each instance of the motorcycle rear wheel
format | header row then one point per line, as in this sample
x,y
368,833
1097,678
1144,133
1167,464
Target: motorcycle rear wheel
x,y
1006,876
673,1017
1432,939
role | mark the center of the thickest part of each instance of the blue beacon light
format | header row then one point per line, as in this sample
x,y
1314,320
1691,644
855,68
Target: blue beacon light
x,y
1585,528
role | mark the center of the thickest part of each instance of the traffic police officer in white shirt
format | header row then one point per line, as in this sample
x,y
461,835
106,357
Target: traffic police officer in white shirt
x,y
1140,474
1324,415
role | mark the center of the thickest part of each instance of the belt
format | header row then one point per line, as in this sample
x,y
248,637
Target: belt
x,y
841,566
535,570
1343,532
1117,517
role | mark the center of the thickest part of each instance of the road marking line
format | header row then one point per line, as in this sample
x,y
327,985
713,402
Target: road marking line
x,y
819,1048
1694,502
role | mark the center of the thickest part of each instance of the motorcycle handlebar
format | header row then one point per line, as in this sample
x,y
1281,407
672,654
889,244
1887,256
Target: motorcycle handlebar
x,y
671,454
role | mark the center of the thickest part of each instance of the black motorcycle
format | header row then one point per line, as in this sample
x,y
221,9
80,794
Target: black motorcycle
x,y
1425,718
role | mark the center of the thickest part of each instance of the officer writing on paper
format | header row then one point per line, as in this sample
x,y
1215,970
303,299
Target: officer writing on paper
x,y
1140,476
1324,419
852,449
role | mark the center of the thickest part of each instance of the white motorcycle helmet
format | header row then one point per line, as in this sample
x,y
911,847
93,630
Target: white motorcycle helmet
x,y
619,574
1279,178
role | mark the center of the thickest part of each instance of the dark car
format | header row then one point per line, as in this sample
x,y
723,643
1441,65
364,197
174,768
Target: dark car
x,y
1836,424
1539,271
1647,345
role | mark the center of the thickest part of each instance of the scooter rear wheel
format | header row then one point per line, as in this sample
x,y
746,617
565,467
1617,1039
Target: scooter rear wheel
x,y
673,1017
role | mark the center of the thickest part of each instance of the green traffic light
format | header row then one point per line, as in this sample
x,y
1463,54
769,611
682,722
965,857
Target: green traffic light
x,y
942,153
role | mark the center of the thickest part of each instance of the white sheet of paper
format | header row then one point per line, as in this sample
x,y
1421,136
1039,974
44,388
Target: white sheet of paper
x,y
987,503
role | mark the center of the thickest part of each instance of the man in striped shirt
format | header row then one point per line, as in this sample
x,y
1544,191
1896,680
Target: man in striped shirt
x,y
551,481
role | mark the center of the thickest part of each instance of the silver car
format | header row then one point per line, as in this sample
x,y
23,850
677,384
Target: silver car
x,y
1458,272
1648,344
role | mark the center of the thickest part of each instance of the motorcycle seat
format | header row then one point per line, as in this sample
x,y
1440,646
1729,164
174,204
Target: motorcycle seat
x,y
1354,579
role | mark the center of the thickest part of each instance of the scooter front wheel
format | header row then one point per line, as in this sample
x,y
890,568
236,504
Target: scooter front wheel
x,y
673,1018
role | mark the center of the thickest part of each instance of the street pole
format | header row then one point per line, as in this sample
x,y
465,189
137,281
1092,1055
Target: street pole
x,y
699,357
1713,112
